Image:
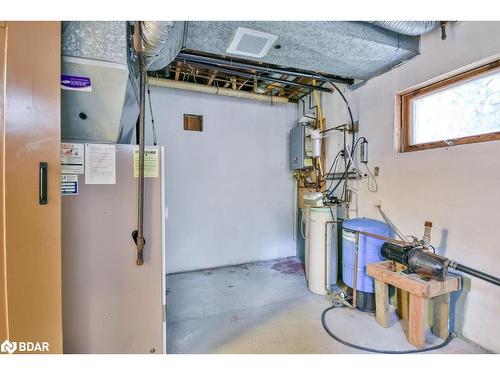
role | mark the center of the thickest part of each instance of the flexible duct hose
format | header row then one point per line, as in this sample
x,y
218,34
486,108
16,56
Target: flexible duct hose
x,y
155,34
162,41
412,28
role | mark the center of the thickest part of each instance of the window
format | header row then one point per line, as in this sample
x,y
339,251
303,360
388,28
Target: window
x,y
193,123
461,109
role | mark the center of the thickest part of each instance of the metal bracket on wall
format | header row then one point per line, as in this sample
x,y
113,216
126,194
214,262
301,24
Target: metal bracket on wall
x,y
354,128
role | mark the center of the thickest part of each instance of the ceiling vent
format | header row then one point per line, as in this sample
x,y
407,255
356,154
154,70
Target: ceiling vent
x,y
247,42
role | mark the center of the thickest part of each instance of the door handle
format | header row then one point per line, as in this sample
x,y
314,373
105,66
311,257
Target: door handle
x,y
42,182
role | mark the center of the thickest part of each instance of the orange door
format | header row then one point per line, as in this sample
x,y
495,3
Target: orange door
x,y
30,279
3,305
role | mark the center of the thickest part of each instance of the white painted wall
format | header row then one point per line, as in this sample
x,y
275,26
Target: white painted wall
x,y
456,188
228,188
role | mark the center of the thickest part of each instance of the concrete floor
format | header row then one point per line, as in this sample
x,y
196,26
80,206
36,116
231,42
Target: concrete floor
x,y
265,307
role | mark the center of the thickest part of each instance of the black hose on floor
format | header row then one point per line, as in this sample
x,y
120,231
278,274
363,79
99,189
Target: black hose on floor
x,y
323,321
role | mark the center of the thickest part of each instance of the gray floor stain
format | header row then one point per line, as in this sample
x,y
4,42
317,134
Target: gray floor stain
x,y
290,265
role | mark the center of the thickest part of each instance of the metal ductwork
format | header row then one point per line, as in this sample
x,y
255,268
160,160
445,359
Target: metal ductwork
x,y
358,50
98,103
413,28
162,41
96,56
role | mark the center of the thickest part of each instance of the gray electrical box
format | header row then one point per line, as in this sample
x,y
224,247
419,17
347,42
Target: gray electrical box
x,y
298,155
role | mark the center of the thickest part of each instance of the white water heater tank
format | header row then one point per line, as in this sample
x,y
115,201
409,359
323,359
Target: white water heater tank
x,y
320,260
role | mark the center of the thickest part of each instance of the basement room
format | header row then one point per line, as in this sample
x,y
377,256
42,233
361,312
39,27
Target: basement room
x,y
203,184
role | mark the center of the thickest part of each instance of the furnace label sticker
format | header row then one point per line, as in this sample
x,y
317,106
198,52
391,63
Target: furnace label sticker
x,y
75,83
100,164
348,236
69,184
150,161
72,158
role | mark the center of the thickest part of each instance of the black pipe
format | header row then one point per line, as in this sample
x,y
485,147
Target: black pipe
x,y
252,76
304,110
450,337
480,275
262,68
139,239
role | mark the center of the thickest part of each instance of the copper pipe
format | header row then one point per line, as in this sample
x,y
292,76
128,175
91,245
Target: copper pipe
x,y
356,250
327,287
387,239
355,281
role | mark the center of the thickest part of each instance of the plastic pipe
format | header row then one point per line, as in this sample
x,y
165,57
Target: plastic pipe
x,y
480,275
295,209
161,82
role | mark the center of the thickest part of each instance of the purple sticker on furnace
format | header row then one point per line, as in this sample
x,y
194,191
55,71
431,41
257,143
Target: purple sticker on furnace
x,y
75,83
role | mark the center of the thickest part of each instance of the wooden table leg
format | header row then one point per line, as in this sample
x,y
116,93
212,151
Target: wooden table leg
x,y
382,303
441,311
416,329
403,298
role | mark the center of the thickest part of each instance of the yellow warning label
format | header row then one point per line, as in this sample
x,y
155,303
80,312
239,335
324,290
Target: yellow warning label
x,y
150,161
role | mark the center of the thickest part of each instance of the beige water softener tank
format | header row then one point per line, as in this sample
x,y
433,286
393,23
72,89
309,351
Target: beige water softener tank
x,y
318,250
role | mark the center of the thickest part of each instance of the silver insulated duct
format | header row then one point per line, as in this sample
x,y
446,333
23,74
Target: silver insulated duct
x,y
413,28
162,41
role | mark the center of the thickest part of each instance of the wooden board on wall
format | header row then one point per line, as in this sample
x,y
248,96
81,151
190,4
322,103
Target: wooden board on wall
x,y
32,239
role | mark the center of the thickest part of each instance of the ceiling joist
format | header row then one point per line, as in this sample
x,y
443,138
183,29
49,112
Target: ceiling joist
x,y
292,85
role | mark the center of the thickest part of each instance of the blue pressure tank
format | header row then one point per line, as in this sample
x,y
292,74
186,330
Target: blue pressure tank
x,y
368,252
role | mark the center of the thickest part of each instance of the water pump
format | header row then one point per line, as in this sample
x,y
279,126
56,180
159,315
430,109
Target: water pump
x,y
428,264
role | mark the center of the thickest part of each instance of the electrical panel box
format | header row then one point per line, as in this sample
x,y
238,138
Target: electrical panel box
x,y
300,158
